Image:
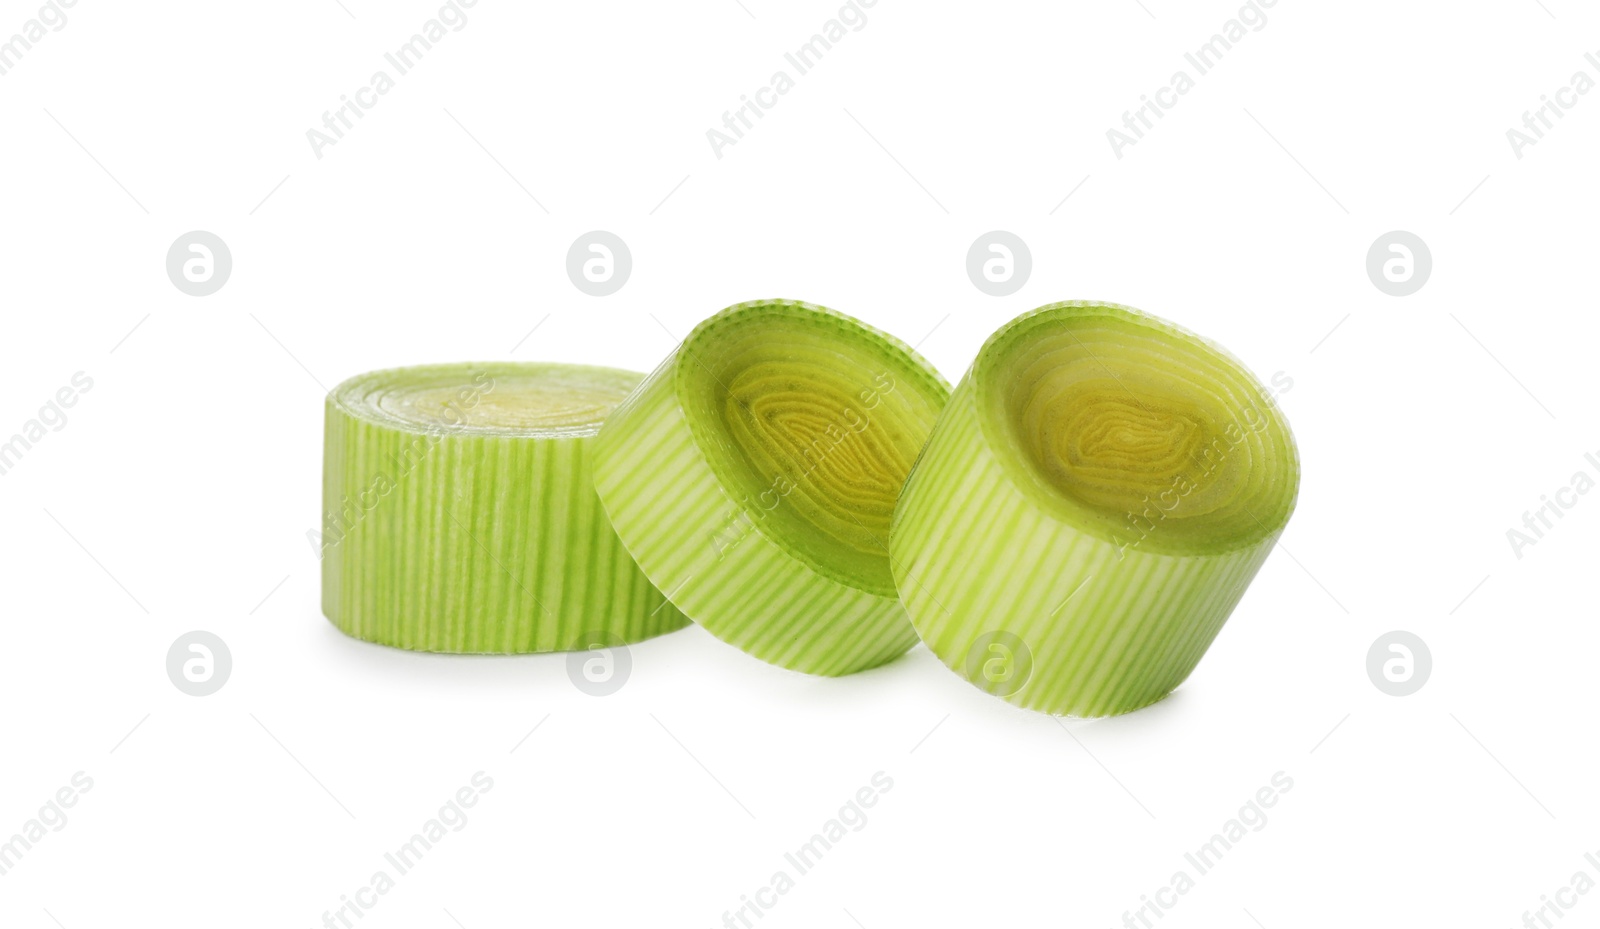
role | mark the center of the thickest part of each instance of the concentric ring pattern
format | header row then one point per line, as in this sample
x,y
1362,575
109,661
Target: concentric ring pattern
x,y
1100,491
755,474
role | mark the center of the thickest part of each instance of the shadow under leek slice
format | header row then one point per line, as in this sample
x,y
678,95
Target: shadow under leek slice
x,y
754,477
1091,506
460,512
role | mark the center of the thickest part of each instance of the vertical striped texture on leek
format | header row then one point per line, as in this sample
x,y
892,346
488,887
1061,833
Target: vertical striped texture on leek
x,y
460,513
754,476
1100,491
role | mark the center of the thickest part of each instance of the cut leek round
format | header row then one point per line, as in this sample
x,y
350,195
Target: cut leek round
x,y
755,473
1099,492
460,513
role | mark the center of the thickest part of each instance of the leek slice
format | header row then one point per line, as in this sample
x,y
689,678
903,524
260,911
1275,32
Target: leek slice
x,y
460,513
754,475
1090,508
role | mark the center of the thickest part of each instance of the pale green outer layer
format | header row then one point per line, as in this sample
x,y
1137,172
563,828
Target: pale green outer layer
x,y
489,538
1108,628
717,558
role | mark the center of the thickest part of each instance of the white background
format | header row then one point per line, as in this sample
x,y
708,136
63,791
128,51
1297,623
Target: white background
x,y
189,473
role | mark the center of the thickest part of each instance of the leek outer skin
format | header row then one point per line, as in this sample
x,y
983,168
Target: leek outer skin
x,y
708,544
1110,626
482,542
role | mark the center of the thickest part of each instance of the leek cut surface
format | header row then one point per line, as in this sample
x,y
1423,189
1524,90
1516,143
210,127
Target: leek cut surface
x,y
754,477
1091,506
